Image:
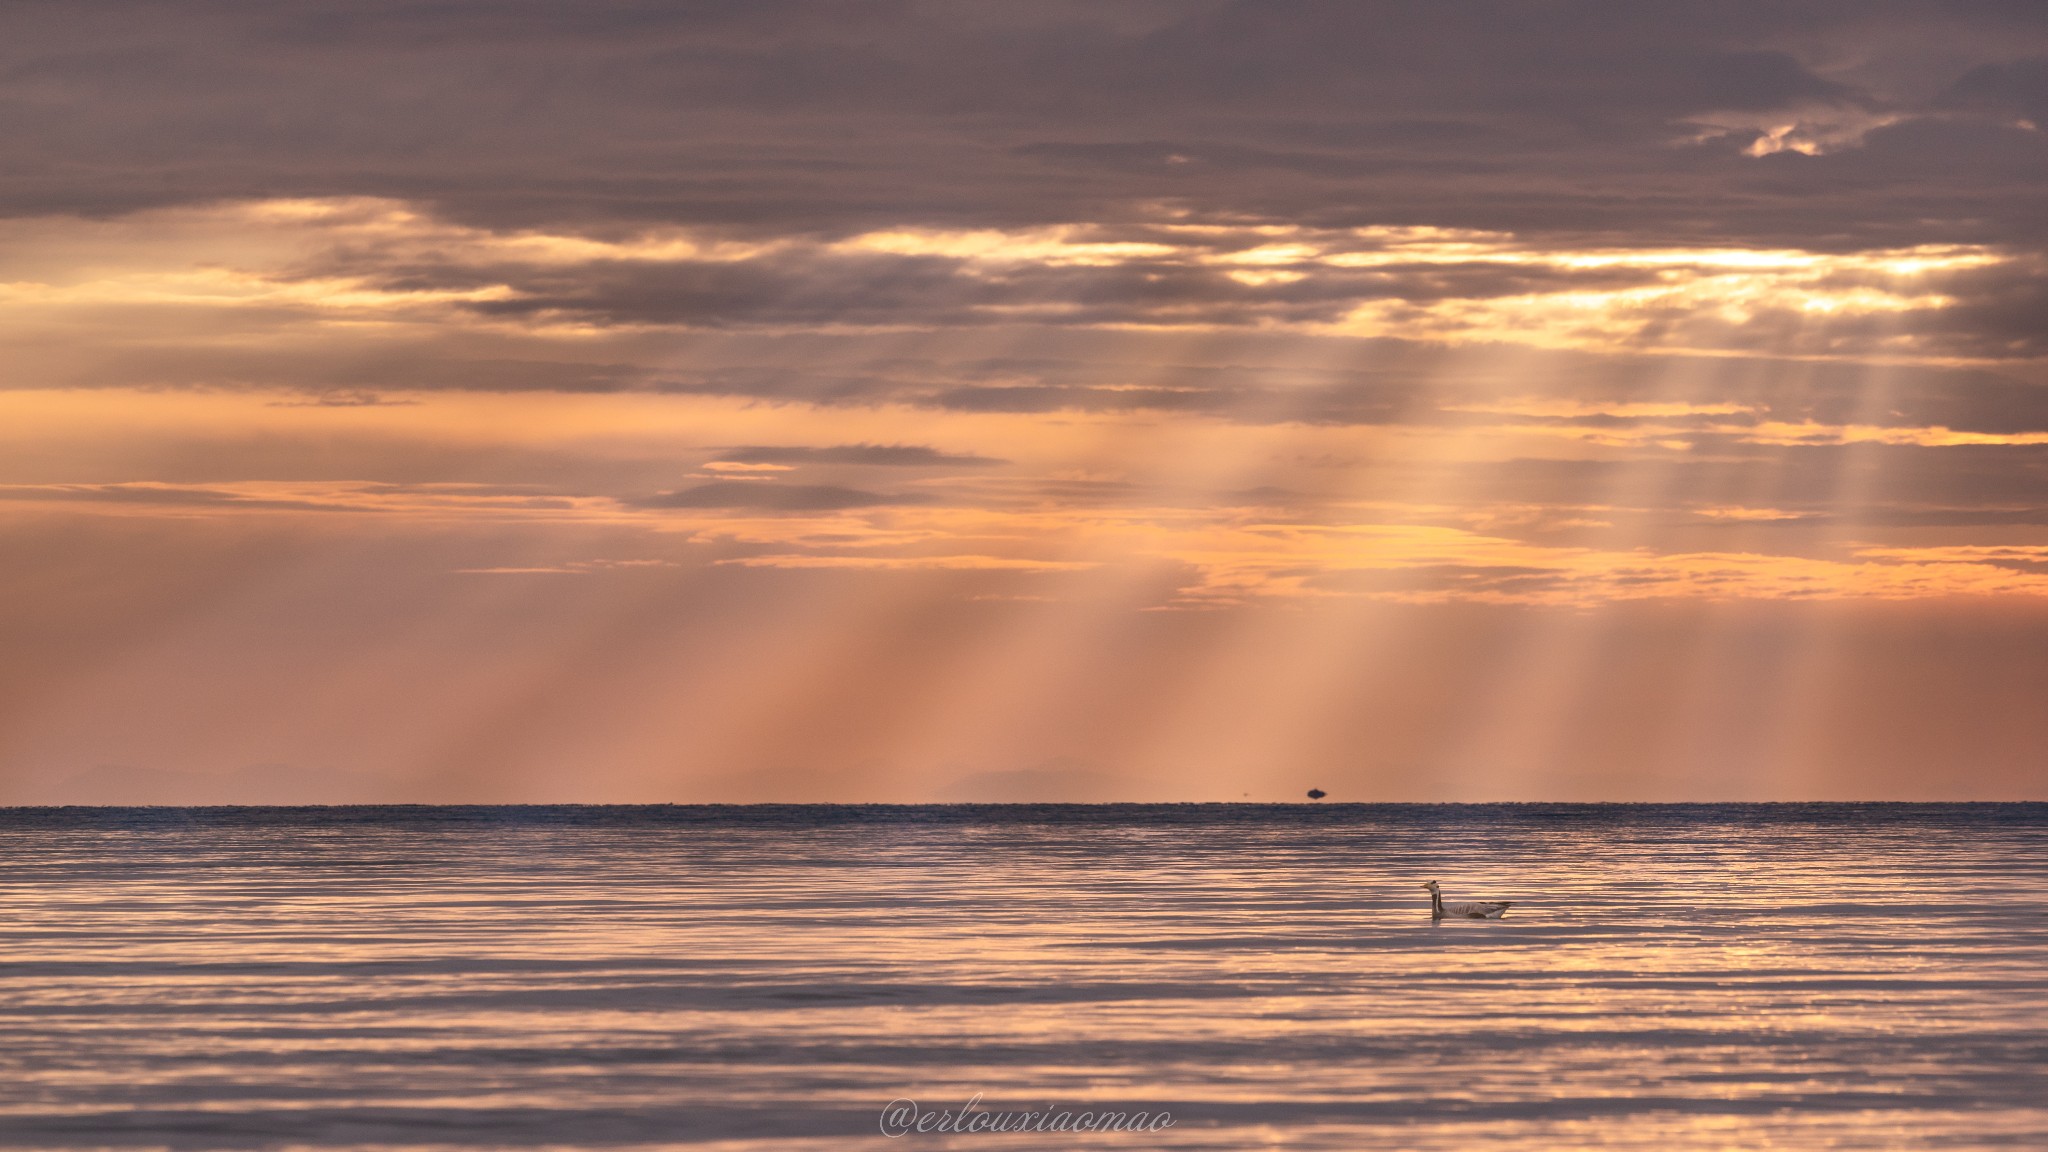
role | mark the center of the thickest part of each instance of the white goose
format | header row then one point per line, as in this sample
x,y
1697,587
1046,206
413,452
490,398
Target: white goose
x,y
1484,910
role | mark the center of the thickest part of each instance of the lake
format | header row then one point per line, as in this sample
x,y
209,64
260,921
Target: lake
x,y
771,979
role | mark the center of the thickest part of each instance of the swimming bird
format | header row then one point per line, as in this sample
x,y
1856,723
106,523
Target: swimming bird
x,y
1483,910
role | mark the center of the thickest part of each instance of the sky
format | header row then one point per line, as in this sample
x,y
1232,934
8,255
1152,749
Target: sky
x,y
438,401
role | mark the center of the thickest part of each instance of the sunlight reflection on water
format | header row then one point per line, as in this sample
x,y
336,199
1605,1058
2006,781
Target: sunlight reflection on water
x,y
765,979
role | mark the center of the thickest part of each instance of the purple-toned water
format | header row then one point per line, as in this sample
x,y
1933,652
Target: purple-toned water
x,y
1798,976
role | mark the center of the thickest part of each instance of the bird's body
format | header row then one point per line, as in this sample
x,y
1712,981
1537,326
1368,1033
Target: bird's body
x,y
1481,910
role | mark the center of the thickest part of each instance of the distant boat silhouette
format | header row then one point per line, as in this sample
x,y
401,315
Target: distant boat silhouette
x,y
1316,793
1483,910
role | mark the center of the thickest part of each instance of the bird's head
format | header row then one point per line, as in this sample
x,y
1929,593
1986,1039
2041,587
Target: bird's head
x,y
1431,886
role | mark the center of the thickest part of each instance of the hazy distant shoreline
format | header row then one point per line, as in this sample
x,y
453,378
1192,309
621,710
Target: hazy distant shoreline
x,y
1026,812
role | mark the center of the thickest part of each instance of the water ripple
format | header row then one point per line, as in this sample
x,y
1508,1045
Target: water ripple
x,y
765,978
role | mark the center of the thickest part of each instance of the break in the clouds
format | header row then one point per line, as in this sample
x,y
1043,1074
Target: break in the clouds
x,y
1453,400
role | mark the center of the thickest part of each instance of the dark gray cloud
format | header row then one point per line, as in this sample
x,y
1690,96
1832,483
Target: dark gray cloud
x,y
1254,378
1990,309
2017,88
1848,484
329,372
766,496
867,290
1955,517
824,287
825,118
1999,312
1397,382
879,455
1580,123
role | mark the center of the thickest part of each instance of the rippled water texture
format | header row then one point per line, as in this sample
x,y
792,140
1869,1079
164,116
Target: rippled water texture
x,y
1669,977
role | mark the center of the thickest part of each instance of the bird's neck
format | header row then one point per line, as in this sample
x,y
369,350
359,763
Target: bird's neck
x,y
1436,904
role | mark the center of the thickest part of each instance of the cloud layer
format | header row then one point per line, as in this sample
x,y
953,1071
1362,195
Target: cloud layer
x,y
876,398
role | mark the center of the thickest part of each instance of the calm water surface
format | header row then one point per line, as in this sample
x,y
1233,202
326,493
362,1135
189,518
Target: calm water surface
x,y
766,979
